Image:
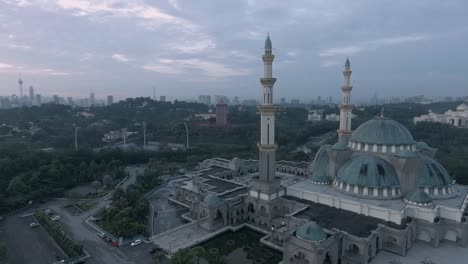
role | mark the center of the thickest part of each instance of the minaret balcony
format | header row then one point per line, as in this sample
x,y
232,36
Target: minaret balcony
x,y
268,108
267,81
268,57
267,147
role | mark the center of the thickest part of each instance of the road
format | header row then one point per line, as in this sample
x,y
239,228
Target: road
x,y
167,215
26,244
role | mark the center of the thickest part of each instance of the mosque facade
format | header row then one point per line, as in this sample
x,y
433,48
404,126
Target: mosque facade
x,y
376,189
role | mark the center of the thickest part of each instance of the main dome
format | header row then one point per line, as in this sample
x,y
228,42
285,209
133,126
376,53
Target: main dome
x,y
382,131
462,107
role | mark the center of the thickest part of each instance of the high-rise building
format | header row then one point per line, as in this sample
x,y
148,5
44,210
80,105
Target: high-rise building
x,y
92,100
38,99
31,95
266,187
162,98
221,114
56,99
69,100
295,101
20,82
204,99
319,100
283,100
110,99
236,100
346,108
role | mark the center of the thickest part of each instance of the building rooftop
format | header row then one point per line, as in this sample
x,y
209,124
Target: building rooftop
x,y
234,193
220,185
302,164
331,217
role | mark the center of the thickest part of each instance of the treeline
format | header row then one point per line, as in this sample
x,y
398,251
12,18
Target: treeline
x,y
129,215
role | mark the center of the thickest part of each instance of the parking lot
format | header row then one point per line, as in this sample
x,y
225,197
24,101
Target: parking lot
x,y
26,244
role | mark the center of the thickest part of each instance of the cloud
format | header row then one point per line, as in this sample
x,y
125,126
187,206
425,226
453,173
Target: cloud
x,y
371,45
174,4
19,46
10,68
87,56
207,68
120,57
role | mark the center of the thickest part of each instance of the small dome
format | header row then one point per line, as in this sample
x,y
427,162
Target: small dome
x,y
432,174
406,153
212,200
268,42
311,231
382,131
462,107
368,170
422,146
339,146
418,197
321,166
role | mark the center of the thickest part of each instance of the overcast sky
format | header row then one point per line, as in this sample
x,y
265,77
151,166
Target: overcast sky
x,y
189,47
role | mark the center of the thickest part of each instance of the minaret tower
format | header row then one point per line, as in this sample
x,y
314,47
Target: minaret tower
x,y
267,185
346,108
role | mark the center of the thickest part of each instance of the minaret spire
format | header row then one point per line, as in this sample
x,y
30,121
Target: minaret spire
x,y
346,108
267,185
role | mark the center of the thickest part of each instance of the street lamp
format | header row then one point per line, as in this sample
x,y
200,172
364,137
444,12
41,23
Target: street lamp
x,y
186,132
76,137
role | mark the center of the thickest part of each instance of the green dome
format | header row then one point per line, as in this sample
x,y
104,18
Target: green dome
x,y
212,199
422,146
311,232
339,146
382,131
268,42
321,166
418,197
406,153
432,174
368,170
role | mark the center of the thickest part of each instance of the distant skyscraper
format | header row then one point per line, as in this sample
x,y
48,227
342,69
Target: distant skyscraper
x,y
92,100
295,101
110,99
283,100
31,95
20,82
204,99
235,101
56,99
38,99
162,98
221,114
319,100
70,100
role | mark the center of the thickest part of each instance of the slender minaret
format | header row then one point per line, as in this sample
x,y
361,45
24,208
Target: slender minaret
x,y
346,108
267,186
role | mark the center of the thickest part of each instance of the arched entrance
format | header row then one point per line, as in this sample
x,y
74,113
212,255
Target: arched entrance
x,y
424,235
219,218
263,211
250,208
451,235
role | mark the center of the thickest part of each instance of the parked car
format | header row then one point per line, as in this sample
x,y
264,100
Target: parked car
x,y
135,243
55,218
33,224
47,211
102,234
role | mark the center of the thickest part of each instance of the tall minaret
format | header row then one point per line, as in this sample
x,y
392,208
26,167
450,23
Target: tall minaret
x,y
346,108
267,185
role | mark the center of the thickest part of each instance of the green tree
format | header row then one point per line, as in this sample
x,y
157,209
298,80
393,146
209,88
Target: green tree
x,y
3,252
198,253
182,257
159,256
17,186
107,180
218,260
96,185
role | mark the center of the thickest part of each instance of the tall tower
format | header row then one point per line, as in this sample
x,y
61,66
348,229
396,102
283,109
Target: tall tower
x,y
31,95
346,108
20,82
267,185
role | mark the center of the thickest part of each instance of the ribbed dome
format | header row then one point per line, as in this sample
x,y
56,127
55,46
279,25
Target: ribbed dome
x,y
418,197
405,153
368,170
311,232
212,199
432,174
382,131
321,166
422,146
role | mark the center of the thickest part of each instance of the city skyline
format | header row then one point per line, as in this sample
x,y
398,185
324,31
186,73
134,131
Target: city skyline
x,y
131,48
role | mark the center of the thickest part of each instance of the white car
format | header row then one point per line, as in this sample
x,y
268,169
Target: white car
x,y
33,224
135,243
47,211
102,234
55,218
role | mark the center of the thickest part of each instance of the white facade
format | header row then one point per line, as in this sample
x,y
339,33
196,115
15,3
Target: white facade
x,y
458,118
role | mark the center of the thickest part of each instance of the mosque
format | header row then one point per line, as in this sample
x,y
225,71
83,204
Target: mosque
x,y
377,189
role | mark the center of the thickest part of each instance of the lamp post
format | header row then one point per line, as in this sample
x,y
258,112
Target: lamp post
x,y
76,137
187,133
